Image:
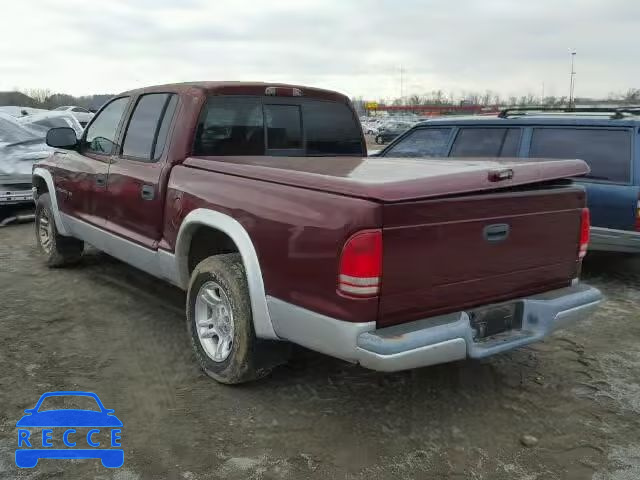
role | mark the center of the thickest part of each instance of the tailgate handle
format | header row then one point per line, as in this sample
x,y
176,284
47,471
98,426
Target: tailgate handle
x,y
496,233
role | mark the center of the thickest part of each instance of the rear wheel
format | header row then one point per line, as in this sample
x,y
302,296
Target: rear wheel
x,y
58,249
220,323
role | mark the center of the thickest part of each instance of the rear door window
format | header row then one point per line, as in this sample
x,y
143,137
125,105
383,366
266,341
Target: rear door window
x,y
142,132
422,142
607,152
486,142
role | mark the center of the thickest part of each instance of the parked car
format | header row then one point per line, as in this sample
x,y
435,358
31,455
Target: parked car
x,y
259,200
371,129
607,139
50,119
371,126
20,147
390,131
83,115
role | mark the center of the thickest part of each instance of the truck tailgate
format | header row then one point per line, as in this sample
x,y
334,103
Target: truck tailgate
x,y
449,254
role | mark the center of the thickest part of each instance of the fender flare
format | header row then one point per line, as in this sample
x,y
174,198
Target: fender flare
x,y
45,175
202,217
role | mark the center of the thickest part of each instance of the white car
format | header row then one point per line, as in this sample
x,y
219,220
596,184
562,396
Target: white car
x,y
52,119
20,147
83,115
371,127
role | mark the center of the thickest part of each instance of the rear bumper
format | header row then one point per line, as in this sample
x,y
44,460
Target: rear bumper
x,y
433,340
611,240
15,197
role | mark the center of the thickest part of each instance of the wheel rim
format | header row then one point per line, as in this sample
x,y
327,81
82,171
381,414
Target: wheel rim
x,y
45,231
214,321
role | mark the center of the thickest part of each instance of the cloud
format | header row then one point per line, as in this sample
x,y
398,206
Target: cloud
x,y
354,46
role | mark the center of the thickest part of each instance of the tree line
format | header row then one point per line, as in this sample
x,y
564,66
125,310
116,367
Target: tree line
x,y
46,99
493,99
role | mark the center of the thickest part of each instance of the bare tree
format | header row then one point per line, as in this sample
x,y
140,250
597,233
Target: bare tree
x,y
632,96
486,98
40,95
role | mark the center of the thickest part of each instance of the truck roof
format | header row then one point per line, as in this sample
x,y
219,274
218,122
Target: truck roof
x,y
237,88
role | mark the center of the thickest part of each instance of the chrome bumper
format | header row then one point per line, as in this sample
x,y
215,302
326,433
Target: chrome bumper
x,y
432,340
611,240
12,197
450,337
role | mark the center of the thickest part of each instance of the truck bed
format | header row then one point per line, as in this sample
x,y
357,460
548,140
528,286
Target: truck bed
x,y
456,233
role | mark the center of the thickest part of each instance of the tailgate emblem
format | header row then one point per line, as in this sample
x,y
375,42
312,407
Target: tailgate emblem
x,y
497,232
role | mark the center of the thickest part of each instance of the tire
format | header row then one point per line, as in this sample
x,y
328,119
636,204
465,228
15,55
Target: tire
x,y
232,354
59,250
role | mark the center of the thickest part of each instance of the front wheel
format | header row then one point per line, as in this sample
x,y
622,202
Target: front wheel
x,y
58,249
220,323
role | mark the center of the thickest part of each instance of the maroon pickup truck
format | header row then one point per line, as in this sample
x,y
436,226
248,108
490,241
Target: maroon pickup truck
x,y
259,200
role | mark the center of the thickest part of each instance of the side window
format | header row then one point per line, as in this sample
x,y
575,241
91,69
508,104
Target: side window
x,y
331,129
163,132
486,142
422,142
511,143
230,126
284,126
607,152
101,135
144,125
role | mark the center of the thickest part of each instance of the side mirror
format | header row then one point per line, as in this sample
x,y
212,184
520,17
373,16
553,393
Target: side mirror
x,y
62,137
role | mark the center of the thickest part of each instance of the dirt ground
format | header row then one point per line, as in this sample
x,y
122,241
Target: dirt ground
x,y
107,328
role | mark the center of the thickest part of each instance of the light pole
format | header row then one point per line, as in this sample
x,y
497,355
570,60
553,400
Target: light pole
x,y
572,82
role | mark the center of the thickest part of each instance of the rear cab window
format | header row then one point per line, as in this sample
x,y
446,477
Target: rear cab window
x,y
606,151
284,127
252,125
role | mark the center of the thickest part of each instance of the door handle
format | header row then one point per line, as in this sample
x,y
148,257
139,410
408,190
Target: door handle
x,y
101,180
496,233
147,192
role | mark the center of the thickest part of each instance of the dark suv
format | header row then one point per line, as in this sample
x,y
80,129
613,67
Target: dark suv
x,y
607,139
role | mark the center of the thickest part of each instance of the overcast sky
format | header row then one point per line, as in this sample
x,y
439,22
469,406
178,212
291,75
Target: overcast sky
x,y
354,46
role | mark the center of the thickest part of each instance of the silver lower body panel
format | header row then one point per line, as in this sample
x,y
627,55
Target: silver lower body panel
x,y
432,340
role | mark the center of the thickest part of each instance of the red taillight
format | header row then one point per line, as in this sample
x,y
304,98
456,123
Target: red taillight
x,y
638,216
361,264
585,226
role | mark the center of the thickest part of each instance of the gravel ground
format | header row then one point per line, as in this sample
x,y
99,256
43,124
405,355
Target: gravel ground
x,y
107,328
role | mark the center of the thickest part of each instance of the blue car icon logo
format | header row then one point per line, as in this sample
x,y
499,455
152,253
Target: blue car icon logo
x,y
79,433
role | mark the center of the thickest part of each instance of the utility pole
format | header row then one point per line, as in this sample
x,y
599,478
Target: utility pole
x,y
401,82
572,82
